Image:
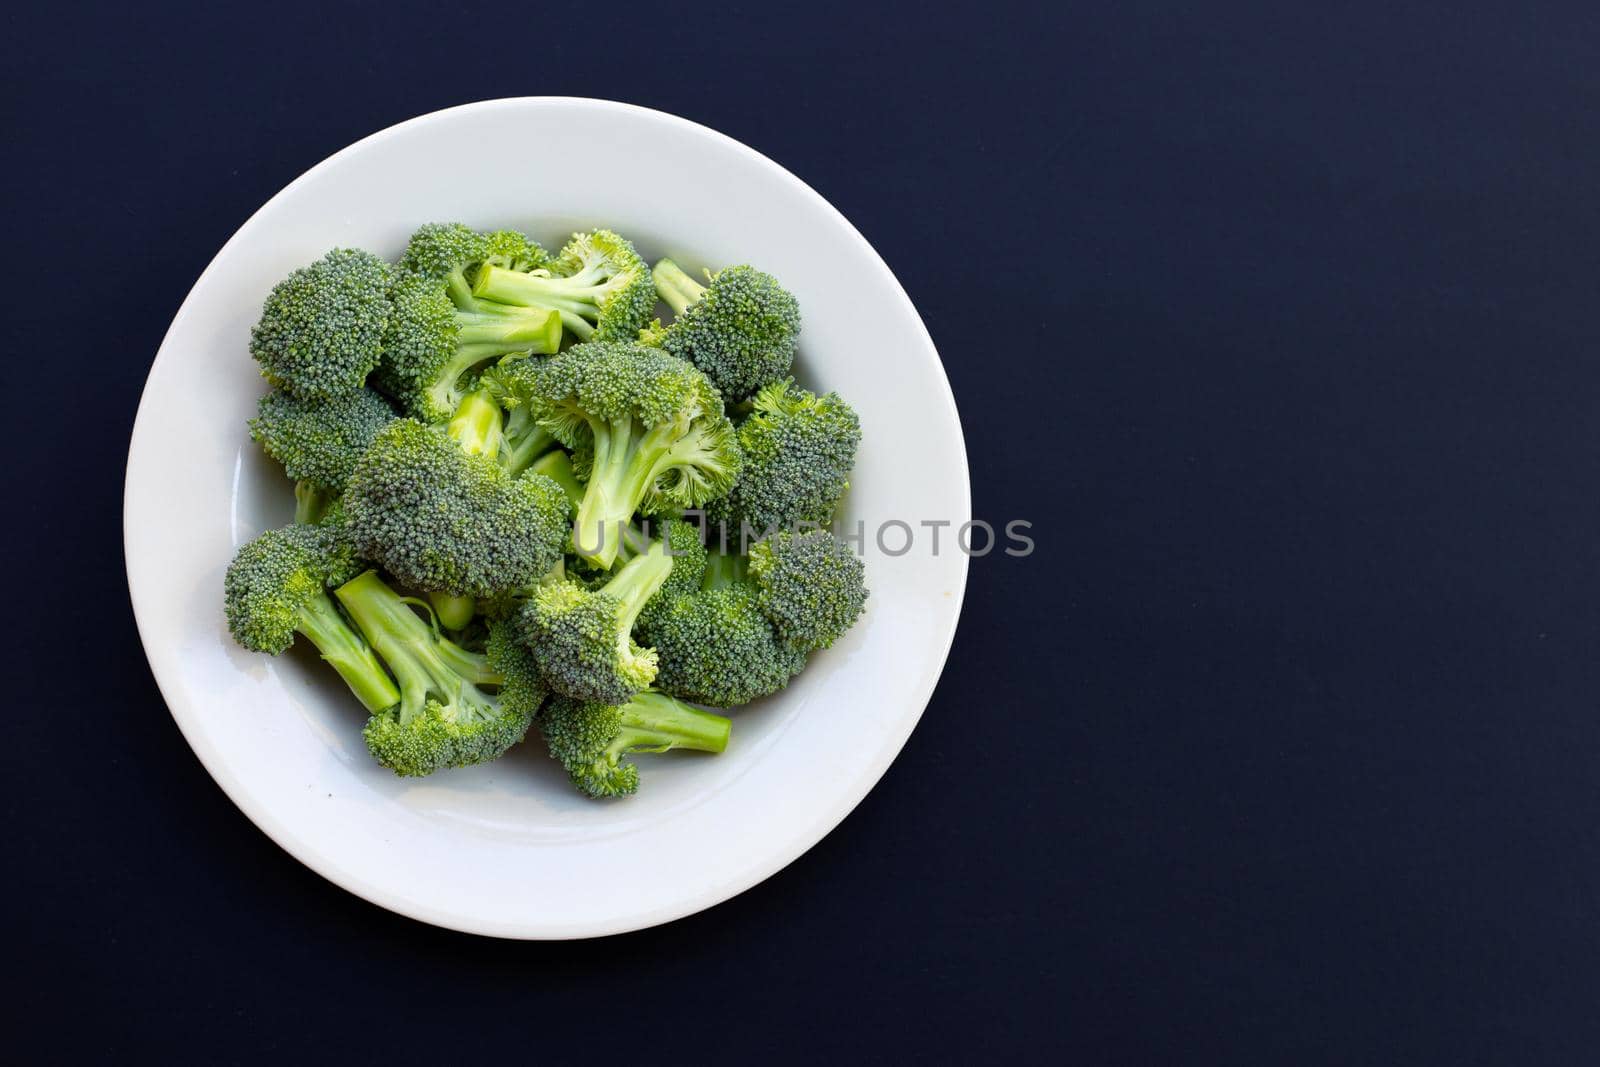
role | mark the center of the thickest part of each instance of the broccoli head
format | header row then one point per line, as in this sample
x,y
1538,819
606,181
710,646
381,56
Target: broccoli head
x,y
321,329
443,520
647,432
439,333
318,441
443,717
742,328
598,284
809,584
582,639
592,739
276,587
716,647
798,449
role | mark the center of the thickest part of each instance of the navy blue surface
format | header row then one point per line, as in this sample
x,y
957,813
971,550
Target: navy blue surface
x,y
1280,323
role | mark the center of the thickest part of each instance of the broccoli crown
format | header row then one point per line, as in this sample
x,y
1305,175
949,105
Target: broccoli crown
x,y
742,329
648,432
591,739
798,449
319,441
688,553
444,521
444,717
439,249
716,647
582,639
275,578
321,329
598,283
809,584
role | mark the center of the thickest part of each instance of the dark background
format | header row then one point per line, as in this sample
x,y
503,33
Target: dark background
x,y
1278,321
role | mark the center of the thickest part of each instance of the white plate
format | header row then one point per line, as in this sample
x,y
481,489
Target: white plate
x,y
509,849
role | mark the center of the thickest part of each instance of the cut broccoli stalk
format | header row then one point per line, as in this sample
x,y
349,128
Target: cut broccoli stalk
x,y
571,297
655,722
427,666
310,502
475,427
676,287
322,625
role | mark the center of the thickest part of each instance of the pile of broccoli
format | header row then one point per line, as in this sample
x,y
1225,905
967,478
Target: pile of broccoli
x,y
520,499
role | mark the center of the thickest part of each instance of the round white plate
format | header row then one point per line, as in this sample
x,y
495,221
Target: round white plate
x,y
509,849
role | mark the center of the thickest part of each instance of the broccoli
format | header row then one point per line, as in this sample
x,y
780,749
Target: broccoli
x,y
742,328
321,328
598,283
809,584
523,440
716,647
648,432
439,333
436,510
318,441
592,739
557,466
582,639
276,587
442,716
798,449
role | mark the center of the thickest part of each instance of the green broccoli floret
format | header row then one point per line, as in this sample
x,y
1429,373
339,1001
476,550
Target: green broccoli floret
x,y
582,639
276,587
445,520
439,333
321,329
591,739
318,441
598,283
742,328
798,449
810,585
716,647
648,432
442,717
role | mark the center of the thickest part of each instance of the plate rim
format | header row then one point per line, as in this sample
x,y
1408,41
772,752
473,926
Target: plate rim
x,y
260,813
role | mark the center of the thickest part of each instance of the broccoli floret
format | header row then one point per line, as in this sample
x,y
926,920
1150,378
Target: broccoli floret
x,y
716,647
598,283
439,333
742,328
276,587
318,441
443,520
648,432
798,449
809,584
582,639
321,329
443,717
591,739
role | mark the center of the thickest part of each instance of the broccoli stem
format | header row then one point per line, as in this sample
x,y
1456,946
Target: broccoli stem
x,y
454,612
557,466
625,464
422,662
523,441
724,569
310,503
576,298
636,582
476,425
509,329
656,722
323,626
676,287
